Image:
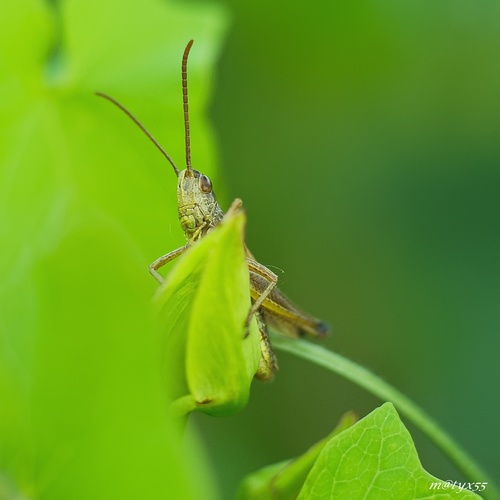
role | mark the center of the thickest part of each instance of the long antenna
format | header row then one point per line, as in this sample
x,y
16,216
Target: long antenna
x,y
142,127
185,103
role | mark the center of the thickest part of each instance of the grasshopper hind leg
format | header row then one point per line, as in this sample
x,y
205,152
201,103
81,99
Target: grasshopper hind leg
x,y
268,364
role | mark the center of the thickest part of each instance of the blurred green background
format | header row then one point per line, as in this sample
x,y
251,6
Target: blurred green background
x,y
363,140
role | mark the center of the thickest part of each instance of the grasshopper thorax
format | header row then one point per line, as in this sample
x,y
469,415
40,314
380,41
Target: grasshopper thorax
x,y
197,205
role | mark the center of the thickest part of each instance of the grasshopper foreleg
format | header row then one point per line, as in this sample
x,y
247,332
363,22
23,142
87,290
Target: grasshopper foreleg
x,y
164,259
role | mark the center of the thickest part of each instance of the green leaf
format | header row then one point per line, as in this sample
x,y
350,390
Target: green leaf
x,y
375,458
202,308
83,211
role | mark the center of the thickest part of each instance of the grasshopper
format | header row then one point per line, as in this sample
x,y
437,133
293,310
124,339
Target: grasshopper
x,y
199,213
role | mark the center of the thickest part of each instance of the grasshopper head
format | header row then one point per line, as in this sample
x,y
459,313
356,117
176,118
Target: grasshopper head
x,y
193,182
197,205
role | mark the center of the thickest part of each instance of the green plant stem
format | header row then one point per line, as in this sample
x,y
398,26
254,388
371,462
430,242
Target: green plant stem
x,y
375,385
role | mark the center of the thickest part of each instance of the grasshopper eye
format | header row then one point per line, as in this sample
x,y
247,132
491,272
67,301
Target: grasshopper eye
x,y
205,184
